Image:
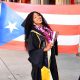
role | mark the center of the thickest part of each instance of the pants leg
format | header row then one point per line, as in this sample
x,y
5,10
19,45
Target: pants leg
x,y
45,60
79,78
53,68
36,73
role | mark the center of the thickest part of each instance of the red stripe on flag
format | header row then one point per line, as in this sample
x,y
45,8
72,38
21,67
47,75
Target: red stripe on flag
x,y
16,45
49,9
66,29
79,30
68,49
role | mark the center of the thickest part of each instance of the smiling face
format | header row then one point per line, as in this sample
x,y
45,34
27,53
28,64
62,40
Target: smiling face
x,y
37,19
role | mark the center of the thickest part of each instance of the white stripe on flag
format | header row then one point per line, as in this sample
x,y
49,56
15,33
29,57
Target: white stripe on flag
x,y
68,40
59,19
62,40
20,38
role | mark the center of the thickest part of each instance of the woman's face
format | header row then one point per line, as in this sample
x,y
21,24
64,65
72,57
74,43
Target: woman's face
x,y
37,19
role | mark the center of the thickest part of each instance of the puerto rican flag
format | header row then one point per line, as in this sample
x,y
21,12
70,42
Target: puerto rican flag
x,y
64,19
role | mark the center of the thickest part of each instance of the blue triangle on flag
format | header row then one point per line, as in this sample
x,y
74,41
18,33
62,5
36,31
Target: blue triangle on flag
x,y
10,24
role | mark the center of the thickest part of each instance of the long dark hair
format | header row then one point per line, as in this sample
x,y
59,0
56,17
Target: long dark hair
x,y
28,23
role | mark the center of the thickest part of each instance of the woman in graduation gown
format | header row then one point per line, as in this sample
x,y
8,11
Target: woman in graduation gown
x,y
37,40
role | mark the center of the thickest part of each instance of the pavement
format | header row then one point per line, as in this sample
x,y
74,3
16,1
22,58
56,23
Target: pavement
x,y
14,65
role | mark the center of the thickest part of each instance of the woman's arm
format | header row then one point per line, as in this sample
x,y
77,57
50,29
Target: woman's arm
x,y
48,46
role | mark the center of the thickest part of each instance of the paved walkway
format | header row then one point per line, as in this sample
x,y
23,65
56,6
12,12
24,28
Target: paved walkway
x,y
15,66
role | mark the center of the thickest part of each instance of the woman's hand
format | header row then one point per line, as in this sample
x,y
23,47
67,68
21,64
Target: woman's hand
x,y
57,33
48,46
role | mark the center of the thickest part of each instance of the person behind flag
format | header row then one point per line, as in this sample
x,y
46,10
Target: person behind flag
x,y
38,36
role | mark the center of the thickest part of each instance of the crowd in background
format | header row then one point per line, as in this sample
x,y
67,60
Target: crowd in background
x,y
46,1
22,1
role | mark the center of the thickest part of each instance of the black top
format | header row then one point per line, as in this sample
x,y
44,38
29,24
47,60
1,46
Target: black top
x,y
36,43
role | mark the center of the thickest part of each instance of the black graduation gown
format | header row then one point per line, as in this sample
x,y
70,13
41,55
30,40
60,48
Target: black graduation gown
x,y
38,57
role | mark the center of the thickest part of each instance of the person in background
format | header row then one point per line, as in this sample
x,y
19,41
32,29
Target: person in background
x,y
12,0
38,36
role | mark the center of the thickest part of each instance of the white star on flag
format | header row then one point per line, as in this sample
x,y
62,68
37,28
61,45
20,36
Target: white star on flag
x,y
11,26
